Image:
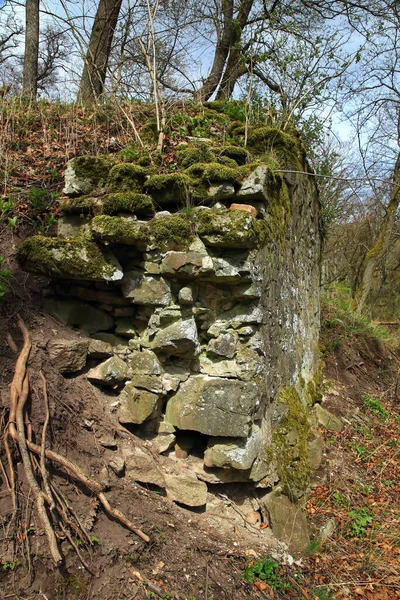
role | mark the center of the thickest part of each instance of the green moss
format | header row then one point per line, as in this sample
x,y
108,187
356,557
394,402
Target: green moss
x,y
240,155
228,162
194,154
214,172
287,147
119,230
84,205
76,258
230,228
149,131
236,129
288,448
127,178
173,229
236,109
130,202
95,168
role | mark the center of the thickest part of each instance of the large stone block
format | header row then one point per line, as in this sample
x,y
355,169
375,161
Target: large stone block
x,y
234,453
186,489
186,265
214,406
146,290
178,339
288,521
136,405
68,356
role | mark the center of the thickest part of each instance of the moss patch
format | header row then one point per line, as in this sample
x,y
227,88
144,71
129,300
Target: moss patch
x,y
172,229
264,139
127,178
84,205
77,258
288,448
95,168
130,202
215,172
201,153
231,229
240,155
119,230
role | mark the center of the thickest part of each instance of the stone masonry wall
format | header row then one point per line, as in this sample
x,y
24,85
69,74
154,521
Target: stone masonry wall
x,y
198,291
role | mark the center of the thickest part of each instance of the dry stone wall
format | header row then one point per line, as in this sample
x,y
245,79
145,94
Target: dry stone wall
x,y
199,292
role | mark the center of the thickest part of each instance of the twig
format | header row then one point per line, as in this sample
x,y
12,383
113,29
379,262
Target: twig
x,y
11,343
152,586
43,444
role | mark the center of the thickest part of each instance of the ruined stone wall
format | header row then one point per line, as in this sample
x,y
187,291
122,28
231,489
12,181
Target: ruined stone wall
x,y
199,291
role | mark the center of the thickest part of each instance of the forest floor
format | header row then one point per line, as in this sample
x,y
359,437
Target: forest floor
x,y
354,502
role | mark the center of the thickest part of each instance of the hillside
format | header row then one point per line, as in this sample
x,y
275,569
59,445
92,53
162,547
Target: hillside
x,y
227,551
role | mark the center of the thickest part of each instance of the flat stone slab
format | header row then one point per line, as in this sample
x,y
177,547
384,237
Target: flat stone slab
x,y
214,406
186,489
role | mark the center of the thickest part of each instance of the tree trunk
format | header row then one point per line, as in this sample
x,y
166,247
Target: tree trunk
x,y
31,54
223,46
95,69
381,245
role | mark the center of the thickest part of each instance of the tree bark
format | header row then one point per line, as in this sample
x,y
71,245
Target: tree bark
x,y
380,246
31,54
224,43
95,69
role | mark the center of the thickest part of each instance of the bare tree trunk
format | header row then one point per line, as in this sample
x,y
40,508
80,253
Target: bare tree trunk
x,y
31,55
95,69
224,43
381,245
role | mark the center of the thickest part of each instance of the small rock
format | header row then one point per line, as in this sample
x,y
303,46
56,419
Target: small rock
x,y
223,345
68,356
327,419
117,465
109,373
146,290
99,349
185,296
179,339
186,489
137,405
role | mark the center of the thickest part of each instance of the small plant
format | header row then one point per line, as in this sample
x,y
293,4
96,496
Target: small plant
x,y
376,408
10,566
12,221
95,540
314,547
265,570
339,499
322,593
361,452
37,197
361,518
5,277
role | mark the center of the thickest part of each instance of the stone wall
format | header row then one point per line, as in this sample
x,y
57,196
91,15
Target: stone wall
x,y
199,291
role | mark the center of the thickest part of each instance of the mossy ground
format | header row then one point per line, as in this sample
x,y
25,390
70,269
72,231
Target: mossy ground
x,y
174,229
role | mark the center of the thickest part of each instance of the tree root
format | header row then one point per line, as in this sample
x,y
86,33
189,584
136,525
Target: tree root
x,y
50,505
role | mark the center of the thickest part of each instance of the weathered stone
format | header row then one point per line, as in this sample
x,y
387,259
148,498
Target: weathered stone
x,y
141,466
327,419
214,475
69,226
68,259
99,349
224,345
117,465
145,362
123,311
234,453
85,173
256,185
228,229
288,521
314,451
125,328
214,406
178,339
246,207
114,340
68,356
137,405
246,292
120,230
186,265
73,312
111,372
221,191
152,383
219,368
186,296
142,289
112,298
186,489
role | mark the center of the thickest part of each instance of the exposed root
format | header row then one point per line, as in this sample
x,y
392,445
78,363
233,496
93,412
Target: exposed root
x,y
52,508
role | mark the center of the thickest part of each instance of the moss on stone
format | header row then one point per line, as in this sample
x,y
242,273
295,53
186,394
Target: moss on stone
x,y
234,228
235,109
215,172
149,131
127,177
288,450
169,181
236,129
240,155
95,168
173,229
263,139
130,202
83,205
119,230
76,258
189,155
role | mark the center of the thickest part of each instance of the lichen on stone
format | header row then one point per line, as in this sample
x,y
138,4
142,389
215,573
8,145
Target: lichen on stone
x,y
126,177
78,258
130,202
119,230
171,230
